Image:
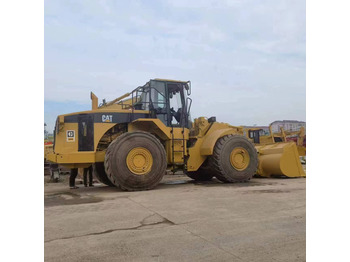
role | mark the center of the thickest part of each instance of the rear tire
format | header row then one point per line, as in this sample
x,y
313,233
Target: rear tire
x,y
223,163
135,161
100,173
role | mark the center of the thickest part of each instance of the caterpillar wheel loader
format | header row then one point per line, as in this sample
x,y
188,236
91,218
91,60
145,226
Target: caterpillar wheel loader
x,y
258,137
48,147
277,153
132,140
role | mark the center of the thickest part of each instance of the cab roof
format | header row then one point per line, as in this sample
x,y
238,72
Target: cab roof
x,y
169,80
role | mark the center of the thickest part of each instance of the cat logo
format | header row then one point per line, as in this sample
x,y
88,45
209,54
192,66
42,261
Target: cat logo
x,y
70,135
107,118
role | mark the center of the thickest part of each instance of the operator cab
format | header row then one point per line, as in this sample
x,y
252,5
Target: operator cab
x,y
166,100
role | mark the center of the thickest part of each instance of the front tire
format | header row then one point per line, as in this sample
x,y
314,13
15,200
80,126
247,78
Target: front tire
x,y
135,161
100,173
234,159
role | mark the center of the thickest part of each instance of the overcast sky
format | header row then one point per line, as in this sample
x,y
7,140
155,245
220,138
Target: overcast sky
x,y
245,58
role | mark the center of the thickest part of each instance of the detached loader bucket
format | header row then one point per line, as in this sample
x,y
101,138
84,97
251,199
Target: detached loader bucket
x,y
279,159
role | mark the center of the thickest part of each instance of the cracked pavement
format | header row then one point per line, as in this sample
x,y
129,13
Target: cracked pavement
x,y
263,220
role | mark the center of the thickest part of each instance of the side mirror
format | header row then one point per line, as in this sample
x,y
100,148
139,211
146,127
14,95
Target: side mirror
x,y
189,88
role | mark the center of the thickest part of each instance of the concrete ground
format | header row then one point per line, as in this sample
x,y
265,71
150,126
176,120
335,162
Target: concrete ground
x,y
180,220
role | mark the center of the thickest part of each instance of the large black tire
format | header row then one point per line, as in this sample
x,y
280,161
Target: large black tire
x,y
221,164
116,161
100,173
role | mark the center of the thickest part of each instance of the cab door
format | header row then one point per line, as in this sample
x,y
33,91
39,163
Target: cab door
x,y
255,135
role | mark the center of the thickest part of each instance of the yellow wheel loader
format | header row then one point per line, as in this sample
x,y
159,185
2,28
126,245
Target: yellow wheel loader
x,y
48,148
132,140
257,136
277,154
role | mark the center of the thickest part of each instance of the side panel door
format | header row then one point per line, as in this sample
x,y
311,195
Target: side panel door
x,y
85,133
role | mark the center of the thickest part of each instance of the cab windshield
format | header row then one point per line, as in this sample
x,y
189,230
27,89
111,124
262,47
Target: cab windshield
x,y
165,101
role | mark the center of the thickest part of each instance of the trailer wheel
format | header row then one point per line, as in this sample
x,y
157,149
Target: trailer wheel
x,y
234,159
100,173
135,161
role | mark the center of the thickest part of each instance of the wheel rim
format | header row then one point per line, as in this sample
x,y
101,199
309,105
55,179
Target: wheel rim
x,y
239,158
139,161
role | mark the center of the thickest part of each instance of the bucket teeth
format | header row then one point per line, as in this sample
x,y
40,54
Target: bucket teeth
x,y
279,159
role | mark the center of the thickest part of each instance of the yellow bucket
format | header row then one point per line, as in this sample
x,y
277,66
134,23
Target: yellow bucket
x,y
279,159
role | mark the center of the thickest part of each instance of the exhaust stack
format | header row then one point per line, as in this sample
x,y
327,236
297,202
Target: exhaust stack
x,y
94,101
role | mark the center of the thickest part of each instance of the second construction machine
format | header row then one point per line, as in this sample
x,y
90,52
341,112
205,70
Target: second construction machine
x,y
132,140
